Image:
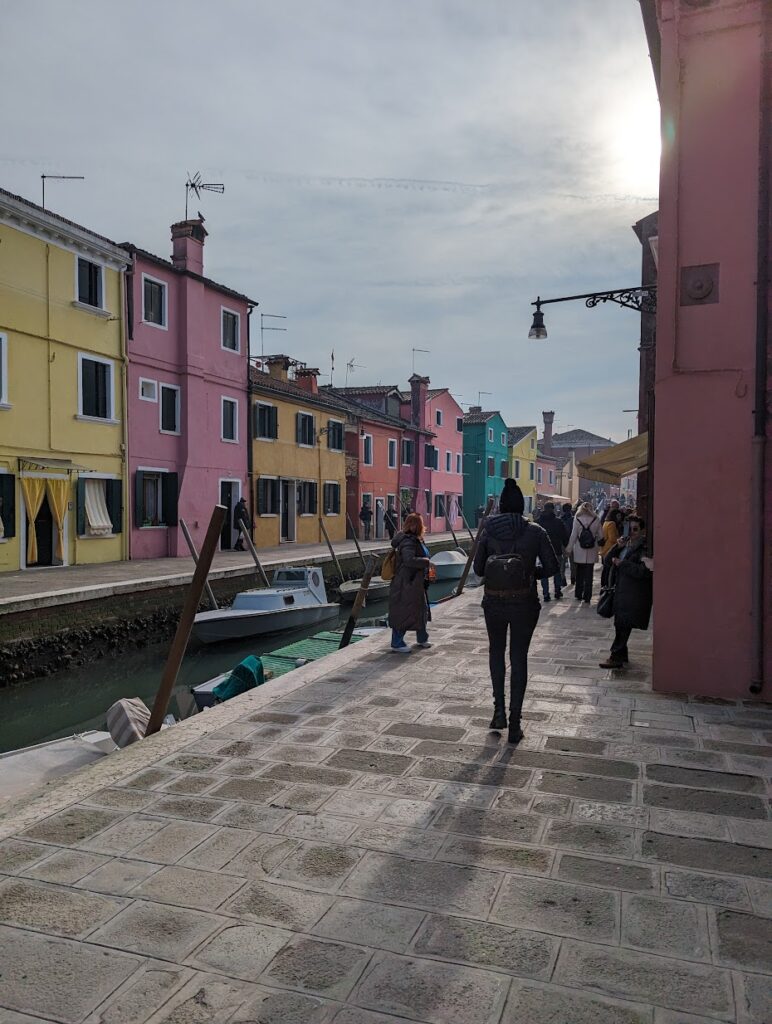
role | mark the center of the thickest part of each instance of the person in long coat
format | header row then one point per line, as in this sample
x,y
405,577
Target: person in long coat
x,y
632,579
612,531
408,601
584,558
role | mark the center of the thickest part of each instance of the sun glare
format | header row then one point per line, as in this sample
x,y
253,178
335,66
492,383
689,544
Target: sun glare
x,y
630,136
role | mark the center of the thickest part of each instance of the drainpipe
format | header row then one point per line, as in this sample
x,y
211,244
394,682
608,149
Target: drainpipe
x,y
250,467
123,307
758,547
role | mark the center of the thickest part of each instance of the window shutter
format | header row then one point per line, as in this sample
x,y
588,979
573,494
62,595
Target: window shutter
x,y
274,416
8,504
298,428
139,510
114,495
255,420
80,507
169,490
313,501
330,428
261,496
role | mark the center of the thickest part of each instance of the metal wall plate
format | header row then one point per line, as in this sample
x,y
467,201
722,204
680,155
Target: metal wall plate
x,y
699,284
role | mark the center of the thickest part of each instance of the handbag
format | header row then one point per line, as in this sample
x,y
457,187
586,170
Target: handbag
x,y
605,606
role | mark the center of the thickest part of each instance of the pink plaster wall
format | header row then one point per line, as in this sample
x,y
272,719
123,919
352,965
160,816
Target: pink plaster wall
x,y
709,195
446,438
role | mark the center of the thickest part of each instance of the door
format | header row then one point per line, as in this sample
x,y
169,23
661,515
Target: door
x,y
379,510
229,496
44,532
288,510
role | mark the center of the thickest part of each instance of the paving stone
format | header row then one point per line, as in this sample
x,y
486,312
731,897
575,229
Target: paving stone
x,y
663,739
494,824
529,1004
484,752
117,877
390,744
515,800
487,945
761,896
262,856
318,865
416,813
408,842
205,999
664,926
574,745
688,823
53,909
590,810
416,730
755,1000
193,763
551,806
459,793
148,990
371,783
752,833
559,908
297,753
323,827
744,940
274,716
313,965
72,826
152,929
241,950
630,974
690,885
214,853
189,784
499,856
172,842
55,979
302,798
609,873
579,835
678,723
188,808
576,764
187,887
708,855
124,835
254,816
683,799
65,867
280,905
433,885
704,779
15,855
244,748
356,805
752,749
370,924
272,1007
433,992
238,766
353,1015
150,778
479,774
121,799
693,759
588,786
316,775
371,761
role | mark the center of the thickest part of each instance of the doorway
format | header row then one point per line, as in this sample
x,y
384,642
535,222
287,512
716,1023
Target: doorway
x,y
44,533
288,510
379,510
230,492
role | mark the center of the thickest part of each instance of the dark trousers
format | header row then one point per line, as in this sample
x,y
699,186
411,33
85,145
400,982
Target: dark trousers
x,y
520,619
619,646
605,573
366,528
545,584
584,580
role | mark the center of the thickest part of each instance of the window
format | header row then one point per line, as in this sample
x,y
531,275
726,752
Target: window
x,y
304,428
170,409
491,466
438,417
439,505
148,390
392,453
504,468
3,371
367,449
230,420
533,443
99,507
530,471
552,477
428,500
153,302
331,499
458,462
538,474
517,469
504,439
490,434
155,498
448,462
408,450
95,399
267,493
265,420
89,283
307,498
335,435
229,330
431,457
460,424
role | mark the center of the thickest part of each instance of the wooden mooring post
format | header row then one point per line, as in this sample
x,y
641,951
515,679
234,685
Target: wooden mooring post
x,y
332,549
356,541
359,601
473,551
194,556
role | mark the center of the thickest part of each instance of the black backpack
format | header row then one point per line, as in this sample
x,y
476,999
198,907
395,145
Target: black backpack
x,y
586,536
508,574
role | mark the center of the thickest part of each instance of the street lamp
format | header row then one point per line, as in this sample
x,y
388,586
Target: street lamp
x,y
642,300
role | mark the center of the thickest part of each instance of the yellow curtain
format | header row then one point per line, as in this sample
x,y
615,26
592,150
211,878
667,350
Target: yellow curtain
x,y
58,492
33,490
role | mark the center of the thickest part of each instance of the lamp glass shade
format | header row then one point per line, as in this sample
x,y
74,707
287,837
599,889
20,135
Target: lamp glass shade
x,y
538,331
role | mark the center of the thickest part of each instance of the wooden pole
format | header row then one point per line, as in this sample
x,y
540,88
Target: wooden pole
x,y
332,549
473,551
450,527
184,626
356,541
194,556
469,528
253,553
359,601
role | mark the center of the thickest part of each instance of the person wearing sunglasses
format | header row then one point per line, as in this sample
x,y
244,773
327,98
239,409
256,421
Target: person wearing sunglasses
x,y
631,578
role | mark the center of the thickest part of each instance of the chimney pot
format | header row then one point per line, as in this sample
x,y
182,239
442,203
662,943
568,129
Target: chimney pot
x,y
419,387
305,377
188,245
549,419
277,366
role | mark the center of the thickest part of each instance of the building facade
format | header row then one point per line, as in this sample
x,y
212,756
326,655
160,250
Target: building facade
x,y
522,446
188,347
485,459
580,444
62,391
547,476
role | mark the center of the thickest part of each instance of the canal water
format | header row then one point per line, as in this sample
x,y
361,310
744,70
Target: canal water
x,y
76,700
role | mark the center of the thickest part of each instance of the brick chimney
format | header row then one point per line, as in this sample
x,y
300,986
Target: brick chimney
x,y
277,366
188,245
419,387
546,444
305,378
474,408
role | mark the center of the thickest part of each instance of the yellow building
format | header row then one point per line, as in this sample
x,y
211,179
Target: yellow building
x,y
62,382
298,455
522,462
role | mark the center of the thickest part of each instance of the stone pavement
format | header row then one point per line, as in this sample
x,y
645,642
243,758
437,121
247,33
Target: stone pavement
x,y
350,844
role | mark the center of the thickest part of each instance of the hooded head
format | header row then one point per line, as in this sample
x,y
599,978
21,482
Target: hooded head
x,y
511,499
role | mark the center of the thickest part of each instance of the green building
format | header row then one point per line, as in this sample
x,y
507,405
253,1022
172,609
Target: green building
x,y
486,459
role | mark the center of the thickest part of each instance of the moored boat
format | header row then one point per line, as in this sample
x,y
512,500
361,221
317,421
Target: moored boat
x,y
449,565
377,591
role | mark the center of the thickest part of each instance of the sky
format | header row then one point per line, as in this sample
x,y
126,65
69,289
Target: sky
x,y
398,175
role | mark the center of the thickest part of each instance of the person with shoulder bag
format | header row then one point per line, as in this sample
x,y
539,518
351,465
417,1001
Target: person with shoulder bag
x,y
408,600
583,543
632,582
506,556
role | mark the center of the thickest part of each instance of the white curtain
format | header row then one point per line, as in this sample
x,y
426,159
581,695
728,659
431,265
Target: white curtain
x,y
99,522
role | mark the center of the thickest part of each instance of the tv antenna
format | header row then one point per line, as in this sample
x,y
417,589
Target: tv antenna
x,y
427,350
195,185
263,328
351,366
480,394
58,177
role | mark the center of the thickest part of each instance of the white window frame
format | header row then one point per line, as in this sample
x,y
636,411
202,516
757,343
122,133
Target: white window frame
x,y
504,439
539,475
408,440
459,429
517,469
172,387
302,444
229,440
551,477
226,348
268,476
144,398
438,417
160,508
80,415
332,419
392,462
490,434
260,437
448,462
4,403
340,504
459,463
370,505
164,285
365,439
99,310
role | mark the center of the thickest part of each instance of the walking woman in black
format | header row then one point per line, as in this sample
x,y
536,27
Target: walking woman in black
x,y
507,552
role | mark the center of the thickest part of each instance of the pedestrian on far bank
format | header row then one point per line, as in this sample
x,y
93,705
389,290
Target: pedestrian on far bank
x,y
241,523
558,535
390,520
632,578
366,518
506,557
408,599
583,543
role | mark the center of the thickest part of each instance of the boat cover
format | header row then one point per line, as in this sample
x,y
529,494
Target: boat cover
x,y
245,676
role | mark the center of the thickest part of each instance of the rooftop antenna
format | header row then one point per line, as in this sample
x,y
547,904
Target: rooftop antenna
x,y
480,394
427,350
263,328
195,185
351,366
58,177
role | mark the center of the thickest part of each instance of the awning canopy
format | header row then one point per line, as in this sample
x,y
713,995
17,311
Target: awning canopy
x,y
611,464
558,499
63,465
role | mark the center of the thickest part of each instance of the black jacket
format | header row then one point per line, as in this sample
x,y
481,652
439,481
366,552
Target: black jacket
x,y
633,582
506,533
408,605
556,531
241,515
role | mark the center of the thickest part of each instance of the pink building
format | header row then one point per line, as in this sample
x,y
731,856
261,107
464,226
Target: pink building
x,y
712,62
188,344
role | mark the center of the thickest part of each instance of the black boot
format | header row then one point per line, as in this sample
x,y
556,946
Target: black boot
x,y
499,720
515,732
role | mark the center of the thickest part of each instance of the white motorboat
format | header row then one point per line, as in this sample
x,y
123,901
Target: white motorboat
x,y
377,591
297,598
40,764
449,565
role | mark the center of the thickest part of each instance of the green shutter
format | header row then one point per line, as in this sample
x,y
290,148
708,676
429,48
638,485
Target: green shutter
x,y
313,499
169,489
8,504
261,505
80,507
274,421
114,495
139,508
298,435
